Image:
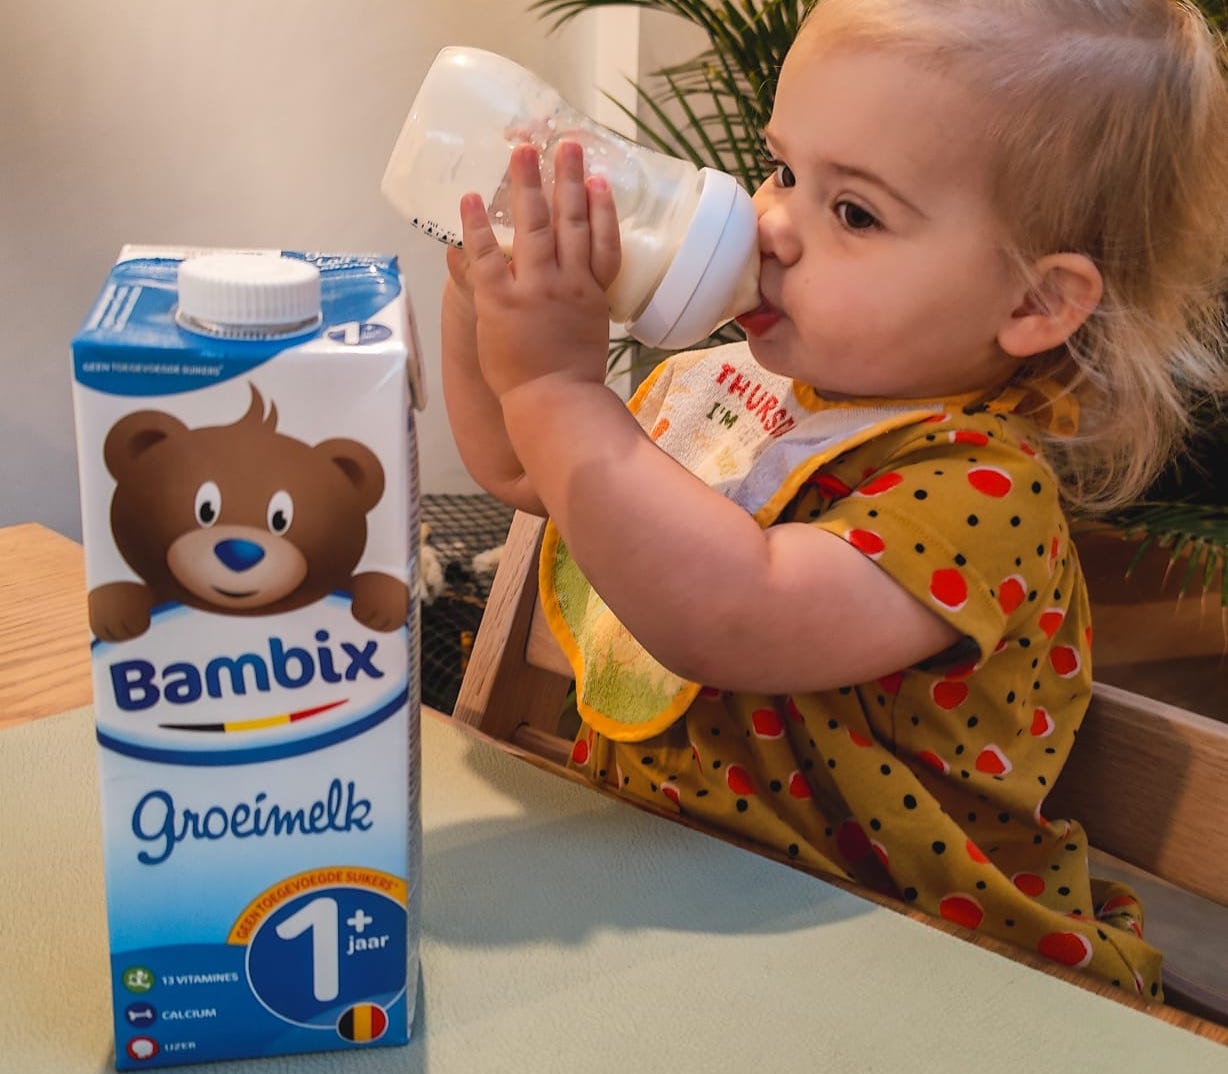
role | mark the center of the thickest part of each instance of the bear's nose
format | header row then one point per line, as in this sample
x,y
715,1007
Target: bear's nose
x,y
238,555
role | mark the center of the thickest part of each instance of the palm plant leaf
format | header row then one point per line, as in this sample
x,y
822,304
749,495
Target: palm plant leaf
x,y
747,41
708,138
1216,12
708,109
1195,535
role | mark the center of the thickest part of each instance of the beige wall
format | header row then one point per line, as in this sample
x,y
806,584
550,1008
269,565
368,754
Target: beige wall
x,y
220,122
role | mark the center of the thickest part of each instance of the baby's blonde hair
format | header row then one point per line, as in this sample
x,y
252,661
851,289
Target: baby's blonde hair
x,y
1108,121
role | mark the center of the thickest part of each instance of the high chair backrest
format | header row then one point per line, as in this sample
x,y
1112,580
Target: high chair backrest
x,y
1148,781
517,680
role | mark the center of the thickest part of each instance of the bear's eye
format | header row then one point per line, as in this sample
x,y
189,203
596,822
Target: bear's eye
x,y
281,512
208,503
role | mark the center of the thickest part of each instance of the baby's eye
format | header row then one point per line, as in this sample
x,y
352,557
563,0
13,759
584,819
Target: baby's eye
x,y
784,175
854,217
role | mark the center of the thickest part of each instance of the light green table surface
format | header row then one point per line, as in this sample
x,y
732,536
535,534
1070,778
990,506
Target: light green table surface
x,y
566,932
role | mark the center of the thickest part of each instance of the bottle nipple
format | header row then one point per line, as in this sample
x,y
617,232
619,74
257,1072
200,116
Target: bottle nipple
x,y
746,292
715,267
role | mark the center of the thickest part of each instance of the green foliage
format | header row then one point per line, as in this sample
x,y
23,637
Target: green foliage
x,y
723,95
1196,536
710,109
1186,509
1216,12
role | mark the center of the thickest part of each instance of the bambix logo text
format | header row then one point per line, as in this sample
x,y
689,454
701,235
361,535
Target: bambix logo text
x,y
137,684
201,689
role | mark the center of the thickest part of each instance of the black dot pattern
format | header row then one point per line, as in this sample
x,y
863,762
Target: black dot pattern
x,y
927,782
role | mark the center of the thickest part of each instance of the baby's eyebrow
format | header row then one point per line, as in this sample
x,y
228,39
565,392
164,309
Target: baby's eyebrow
x,y
851,171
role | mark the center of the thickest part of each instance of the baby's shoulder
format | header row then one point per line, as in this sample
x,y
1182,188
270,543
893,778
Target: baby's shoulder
x,y
991,454
968,437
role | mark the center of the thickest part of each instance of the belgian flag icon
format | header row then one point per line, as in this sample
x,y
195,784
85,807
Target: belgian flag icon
x,y
363,1022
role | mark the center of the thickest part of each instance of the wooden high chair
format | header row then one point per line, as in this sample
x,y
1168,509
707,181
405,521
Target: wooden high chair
x,y
1149,783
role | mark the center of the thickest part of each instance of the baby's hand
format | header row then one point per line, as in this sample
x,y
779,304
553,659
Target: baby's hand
x,y
544,313
458,274
459,317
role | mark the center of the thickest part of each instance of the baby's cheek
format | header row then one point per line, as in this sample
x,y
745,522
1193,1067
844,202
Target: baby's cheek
x,y
844,313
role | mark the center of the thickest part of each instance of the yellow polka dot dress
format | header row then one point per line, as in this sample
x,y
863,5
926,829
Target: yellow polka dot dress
x,y
927,784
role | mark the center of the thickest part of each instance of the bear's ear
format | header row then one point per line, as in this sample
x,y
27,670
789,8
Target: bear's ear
x,y
360,467
132,436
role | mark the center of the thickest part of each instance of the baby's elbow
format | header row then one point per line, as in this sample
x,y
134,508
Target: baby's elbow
x,y
687,656
515,492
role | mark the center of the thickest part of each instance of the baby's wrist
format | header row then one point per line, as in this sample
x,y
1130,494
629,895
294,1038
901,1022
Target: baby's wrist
x,y
560,388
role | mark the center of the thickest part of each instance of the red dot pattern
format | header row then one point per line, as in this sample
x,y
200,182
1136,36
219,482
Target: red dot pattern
x,y
767,723
879,485
963,910
928,781
949,588
1029,883
993,761
949,695
867,542
1065,660
739,780
1068,948
1042,723
990,481
830,486
1012,592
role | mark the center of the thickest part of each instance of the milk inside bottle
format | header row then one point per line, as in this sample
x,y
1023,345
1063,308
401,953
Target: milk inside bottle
x,y
690,260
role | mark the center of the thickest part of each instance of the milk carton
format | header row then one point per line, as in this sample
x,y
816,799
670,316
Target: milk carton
x,y
249,498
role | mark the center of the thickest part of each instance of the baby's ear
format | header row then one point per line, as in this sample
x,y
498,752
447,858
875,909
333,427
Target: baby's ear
x,y
1065,291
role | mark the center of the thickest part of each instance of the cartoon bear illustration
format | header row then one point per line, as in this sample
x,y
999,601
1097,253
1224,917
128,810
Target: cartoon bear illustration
x,y
239,519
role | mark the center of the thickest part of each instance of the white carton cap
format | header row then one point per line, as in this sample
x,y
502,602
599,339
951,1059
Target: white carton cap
x,y
248,295
701,281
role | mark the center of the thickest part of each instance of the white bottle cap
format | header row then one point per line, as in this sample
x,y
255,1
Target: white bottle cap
x,y
248,295
694,295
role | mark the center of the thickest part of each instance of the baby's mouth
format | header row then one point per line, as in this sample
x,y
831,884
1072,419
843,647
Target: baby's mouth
x,y
757,321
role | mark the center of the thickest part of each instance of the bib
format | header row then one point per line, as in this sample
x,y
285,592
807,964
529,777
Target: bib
x,y
755,437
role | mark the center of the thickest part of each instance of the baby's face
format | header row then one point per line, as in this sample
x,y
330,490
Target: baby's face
x,y
882,266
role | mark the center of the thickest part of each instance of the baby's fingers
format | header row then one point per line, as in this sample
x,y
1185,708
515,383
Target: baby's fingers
x,y
533,241
458,267
605,253
586,220
572,240
486,260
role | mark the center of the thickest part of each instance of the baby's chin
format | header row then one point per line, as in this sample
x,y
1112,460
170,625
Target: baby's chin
x,y
775,357
767,355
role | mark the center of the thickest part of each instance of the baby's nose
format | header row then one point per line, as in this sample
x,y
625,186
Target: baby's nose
x,y
777,237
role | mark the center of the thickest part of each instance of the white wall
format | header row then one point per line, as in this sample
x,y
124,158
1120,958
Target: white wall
x,y
215,123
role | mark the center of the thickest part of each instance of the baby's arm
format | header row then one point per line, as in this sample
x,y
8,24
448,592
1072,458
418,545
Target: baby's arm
x,y
711,595
473,409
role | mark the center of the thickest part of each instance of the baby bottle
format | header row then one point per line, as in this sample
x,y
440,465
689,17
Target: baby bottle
x,y
689,255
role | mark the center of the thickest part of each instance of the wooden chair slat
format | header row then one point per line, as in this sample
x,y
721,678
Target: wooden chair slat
x,y
1149,783
500,690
